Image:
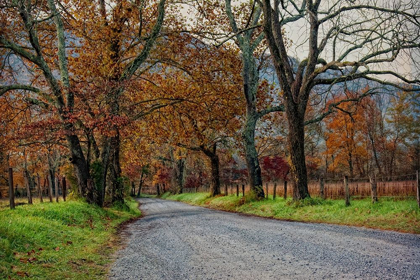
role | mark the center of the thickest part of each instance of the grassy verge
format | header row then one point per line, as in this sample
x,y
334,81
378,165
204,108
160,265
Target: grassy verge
x,y
66,240
388,214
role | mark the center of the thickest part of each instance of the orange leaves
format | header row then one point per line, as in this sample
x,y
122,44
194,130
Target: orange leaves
x,y
346,137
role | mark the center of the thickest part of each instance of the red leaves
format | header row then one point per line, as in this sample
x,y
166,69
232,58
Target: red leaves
x,y
30,259
274,168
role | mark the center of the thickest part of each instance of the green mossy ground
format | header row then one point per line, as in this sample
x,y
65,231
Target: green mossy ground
x,y
66,240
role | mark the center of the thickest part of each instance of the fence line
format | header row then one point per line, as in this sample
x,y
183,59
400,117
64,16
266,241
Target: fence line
x,y
333,188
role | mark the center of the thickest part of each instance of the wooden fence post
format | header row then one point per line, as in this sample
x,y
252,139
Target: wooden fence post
x,y
266,187
243,190
226,190
321,188
11,190
274,191
373,185
346,190
237,190
285,190
418,187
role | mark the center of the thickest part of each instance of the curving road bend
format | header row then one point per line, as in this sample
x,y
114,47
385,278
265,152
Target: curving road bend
x,y
178,241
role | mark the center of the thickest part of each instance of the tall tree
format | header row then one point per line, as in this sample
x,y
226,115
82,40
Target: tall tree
x,y
122,36
34,22
248,38
205,78
347,39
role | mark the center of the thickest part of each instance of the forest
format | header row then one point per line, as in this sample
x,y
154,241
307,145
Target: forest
x,y
106,98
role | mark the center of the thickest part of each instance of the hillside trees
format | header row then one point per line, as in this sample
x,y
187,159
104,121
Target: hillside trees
x,y
402,130
372,136
346,39
346,141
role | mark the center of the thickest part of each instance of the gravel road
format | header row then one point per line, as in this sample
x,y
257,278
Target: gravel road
x,y
178,241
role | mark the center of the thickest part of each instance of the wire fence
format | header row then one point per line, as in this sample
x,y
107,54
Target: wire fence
x,y
404,186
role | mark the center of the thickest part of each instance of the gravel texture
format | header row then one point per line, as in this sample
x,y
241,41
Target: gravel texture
x,y
178,241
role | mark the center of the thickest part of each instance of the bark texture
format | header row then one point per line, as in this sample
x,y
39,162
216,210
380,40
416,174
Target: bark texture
x,y
215,169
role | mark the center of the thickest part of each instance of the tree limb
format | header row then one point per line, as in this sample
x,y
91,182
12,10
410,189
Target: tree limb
x,y
4,89
333,106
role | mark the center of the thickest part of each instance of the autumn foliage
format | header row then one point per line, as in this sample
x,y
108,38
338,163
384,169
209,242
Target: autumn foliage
x,y
113,94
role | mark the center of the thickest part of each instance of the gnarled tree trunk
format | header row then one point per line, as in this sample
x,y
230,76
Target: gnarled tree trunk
x,y
215,170
297,156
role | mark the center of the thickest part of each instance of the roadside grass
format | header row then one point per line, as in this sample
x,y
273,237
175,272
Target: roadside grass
x,y
66,240
387,214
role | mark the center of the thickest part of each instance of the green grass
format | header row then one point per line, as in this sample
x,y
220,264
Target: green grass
x,y
387,214
66,240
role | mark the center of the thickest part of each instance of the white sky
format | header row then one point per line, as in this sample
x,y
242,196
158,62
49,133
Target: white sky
x,y
298,33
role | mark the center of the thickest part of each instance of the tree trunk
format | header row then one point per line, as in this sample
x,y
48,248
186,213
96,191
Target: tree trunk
x,y
346,190
105,166
274,191
180,168
157,190
296,143
64,187
39,188
285,190
266,187
133,189
215,171
28,185
350,161
251,156
45,184
50,184
140,184
57,183
80,165
117,183
247,43
248,135
11,190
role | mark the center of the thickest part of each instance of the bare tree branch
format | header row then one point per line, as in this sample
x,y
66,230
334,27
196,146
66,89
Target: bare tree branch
x,y
4,89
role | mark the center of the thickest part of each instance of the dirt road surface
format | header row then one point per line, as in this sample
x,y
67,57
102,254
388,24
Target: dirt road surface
x,y
178,241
